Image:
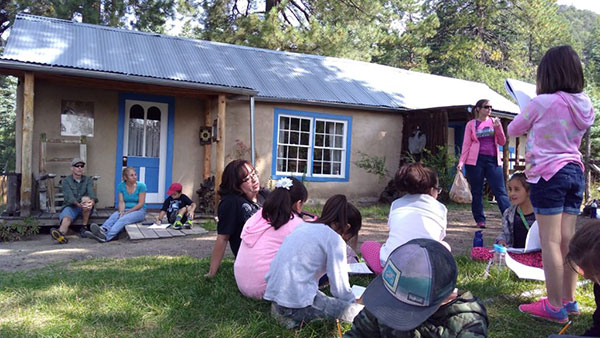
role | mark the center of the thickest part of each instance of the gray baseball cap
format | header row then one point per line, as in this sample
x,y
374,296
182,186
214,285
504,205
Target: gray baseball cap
x,y
77,160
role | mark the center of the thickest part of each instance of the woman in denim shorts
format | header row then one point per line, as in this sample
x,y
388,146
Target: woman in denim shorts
x,y
555,122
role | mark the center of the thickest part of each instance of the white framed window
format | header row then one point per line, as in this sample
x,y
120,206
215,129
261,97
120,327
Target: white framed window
x,y
314,146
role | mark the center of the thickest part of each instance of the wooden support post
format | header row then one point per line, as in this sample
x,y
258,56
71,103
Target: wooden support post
x,y
207,148
220,165
27,150
517,145
505,151
83,148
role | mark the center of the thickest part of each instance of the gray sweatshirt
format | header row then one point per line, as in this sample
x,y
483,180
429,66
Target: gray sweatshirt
x,y
306,254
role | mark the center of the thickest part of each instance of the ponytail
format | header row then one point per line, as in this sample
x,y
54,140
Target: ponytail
x,y
277,209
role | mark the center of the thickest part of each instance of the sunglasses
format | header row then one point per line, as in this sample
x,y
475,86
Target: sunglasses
x,y
79,166
486,107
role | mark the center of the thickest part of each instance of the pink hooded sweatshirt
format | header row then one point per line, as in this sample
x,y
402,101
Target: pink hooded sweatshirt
x,y
260,243
554,124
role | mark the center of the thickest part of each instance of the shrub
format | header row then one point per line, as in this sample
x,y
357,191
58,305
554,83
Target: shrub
x,y
17,231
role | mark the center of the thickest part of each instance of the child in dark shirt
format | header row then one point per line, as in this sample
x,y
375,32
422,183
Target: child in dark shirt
x,y
178,207
519,217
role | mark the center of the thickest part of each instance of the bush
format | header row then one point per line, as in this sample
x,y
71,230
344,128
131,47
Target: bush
x,y
443,164
10,232
372,164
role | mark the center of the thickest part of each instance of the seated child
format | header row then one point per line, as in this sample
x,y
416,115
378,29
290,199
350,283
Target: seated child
x,y
415,296
178,207
584,250
516,221
264,232
417,214
305,255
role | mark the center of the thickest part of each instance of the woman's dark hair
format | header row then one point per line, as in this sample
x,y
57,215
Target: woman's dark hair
x,y
233,176
277,209
416,178
584,249
337,212
560,69
478,106
520,176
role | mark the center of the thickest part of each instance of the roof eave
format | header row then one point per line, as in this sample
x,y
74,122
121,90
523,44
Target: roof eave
x,y
329,104
32,67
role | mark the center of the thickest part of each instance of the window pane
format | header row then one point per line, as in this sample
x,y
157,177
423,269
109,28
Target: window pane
x,y
305,139
302,166
293,153
320,127
338,141
295,124
294,137
135,142
281,151
327,155
317,168
305,126
337,155
339,129
281,164
303,153
153,133
318,154
286,137
284,123
293,165
327,168
336,168
318,140
327,141
330,127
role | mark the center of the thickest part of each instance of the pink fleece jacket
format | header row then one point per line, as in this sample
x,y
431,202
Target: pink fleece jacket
x,y
470,147
260,243
554,124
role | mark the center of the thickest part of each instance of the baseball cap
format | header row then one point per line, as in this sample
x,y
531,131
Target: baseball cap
x,y
175,187
77,160
417,277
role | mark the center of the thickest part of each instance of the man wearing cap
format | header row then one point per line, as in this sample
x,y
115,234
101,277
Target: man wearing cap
x,y
178,207
415,296
79,200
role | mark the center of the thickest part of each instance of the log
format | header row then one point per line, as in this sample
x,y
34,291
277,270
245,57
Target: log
x,y
208,147
220,165
27,145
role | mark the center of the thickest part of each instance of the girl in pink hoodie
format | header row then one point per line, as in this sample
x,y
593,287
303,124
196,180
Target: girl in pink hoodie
x,y
555,122
263,234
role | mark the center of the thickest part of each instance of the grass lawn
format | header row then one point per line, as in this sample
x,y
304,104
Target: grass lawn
x,y
168,297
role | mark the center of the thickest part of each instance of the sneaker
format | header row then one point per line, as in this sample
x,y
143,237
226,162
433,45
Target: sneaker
x,y
89,234
98,231
481,225
541,309
188,224
59,236
82,231
284,321
571,307
177,225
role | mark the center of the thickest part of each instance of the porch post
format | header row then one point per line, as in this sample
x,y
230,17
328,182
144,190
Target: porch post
x,y
505,152
27,147
207,148
221,105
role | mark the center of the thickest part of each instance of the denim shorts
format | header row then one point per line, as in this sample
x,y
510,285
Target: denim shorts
x,y
71,212
562,193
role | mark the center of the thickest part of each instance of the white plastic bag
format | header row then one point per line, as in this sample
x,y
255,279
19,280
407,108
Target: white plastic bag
x,y
460,191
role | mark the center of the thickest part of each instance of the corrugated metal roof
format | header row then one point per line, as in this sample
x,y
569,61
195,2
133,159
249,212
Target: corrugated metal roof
x,y
275,75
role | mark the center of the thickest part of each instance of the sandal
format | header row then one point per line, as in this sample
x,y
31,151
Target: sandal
x,y
59,236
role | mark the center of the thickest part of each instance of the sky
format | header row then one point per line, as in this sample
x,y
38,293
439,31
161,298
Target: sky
x,y
592,5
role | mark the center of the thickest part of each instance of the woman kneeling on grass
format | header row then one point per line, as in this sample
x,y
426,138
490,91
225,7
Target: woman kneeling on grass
x,y
263,234
306,254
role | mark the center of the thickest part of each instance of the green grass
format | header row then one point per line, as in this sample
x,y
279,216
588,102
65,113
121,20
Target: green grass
x,y
168,297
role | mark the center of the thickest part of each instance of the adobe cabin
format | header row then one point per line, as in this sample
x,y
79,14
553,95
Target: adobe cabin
x,y
180,109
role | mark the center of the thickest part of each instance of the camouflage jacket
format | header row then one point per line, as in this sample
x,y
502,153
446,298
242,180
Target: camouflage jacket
x,y
463,317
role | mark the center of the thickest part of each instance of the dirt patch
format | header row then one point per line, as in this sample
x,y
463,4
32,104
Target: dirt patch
x,y
43,250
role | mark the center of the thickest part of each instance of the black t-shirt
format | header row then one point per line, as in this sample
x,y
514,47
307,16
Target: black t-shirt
x,y
170,205
520,231
234,211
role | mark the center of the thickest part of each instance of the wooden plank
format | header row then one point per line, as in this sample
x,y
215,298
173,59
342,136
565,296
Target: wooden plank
x,y
27,144
220,160
134,232
148,233
162,233
175,233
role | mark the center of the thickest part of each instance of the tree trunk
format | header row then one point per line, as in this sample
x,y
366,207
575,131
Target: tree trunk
x,y
269,4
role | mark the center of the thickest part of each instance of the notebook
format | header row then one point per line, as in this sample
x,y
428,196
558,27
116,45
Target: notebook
x,y
532,242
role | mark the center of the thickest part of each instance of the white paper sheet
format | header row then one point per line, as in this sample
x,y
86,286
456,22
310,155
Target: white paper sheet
x,y
521,91
358,290
524,271
159,226
532,242
359,268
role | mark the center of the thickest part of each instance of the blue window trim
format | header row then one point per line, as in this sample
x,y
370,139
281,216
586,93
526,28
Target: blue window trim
x,y
170,101
313,116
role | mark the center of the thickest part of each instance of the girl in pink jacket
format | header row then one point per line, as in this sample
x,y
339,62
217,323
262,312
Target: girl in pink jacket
x,y
555,122
263,234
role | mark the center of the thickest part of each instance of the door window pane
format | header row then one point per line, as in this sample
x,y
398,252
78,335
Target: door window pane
x,y
153,132
136,131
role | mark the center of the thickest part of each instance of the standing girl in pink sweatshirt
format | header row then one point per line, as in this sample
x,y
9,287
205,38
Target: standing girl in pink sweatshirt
x,y
263,234
555,122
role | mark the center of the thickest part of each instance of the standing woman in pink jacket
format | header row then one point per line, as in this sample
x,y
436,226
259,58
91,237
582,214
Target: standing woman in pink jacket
x,y
555,122
481,154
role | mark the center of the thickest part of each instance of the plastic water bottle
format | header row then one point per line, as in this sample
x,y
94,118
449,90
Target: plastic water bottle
x,y
499,255
478,239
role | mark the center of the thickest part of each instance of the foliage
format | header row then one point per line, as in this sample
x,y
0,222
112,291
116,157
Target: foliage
x,y
443,164
372,164
167,296
8,86
209,225
17,231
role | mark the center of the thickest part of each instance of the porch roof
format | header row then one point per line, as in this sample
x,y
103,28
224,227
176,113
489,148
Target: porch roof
x,y
98,51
